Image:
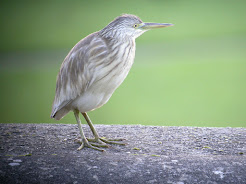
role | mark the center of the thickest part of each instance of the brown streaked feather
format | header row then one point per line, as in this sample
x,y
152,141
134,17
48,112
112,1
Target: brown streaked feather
x,y
75,72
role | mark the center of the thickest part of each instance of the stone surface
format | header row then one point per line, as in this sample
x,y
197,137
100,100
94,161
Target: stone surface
x,y
47,153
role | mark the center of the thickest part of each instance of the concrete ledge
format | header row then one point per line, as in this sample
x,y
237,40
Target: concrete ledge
x,y
47,153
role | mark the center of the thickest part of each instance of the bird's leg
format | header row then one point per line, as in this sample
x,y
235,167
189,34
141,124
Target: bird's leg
x,y
97,138
84,142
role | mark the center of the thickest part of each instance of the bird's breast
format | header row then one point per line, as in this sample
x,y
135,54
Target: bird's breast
x,y
107,77
117,66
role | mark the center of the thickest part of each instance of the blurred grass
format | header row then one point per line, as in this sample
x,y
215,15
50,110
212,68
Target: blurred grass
x,y
60,23
192,74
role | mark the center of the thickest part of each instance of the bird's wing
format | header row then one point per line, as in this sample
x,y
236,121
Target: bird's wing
x,y
76,72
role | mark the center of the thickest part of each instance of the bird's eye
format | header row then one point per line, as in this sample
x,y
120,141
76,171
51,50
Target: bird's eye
x,y
135,26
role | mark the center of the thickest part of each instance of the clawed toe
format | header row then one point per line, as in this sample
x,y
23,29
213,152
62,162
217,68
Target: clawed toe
x,y
93,146
111,141
104,141
98,143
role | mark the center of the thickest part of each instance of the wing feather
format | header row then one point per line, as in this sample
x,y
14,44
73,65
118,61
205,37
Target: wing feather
x,y
76,72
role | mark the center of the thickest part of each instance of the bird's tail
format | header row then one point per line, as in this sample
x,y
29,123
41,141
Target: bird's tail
x,y
59,111
57,115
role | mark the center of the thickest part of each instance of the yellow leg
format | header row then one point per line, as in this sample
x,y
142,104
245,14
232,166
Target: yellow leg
x,y
84,141
97,138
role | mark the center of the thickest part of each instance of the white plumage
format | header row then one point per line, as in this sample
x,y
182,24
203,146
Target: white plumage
x,y
94,84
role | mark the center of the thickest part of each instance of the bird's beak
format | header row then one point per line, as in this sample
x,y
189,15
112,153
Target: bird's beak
x,y
147,26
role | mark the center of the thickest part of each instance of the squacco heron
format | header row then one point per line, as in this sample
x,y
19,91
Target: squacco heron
x,y
94,68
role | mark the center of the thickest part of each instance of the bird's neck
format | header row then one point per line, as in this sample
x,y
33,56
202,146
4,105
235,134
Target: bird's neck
x,y
116,36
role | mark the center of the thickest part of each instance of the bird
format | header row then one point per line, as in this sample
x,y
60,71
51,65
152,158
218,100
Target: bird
x,y
93,69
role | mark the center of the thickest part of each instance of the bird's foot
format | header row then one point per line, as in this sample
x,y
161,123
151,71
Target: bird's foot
x,y
98,143
91,145
112,141
103,141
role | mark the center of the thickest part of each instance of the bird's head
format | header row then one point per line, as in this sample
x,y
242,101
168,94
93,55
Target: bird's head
x,y
129,27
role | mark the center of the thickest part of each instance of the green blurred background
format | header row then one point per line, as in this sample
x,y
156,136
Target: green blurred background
x,y
192,74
